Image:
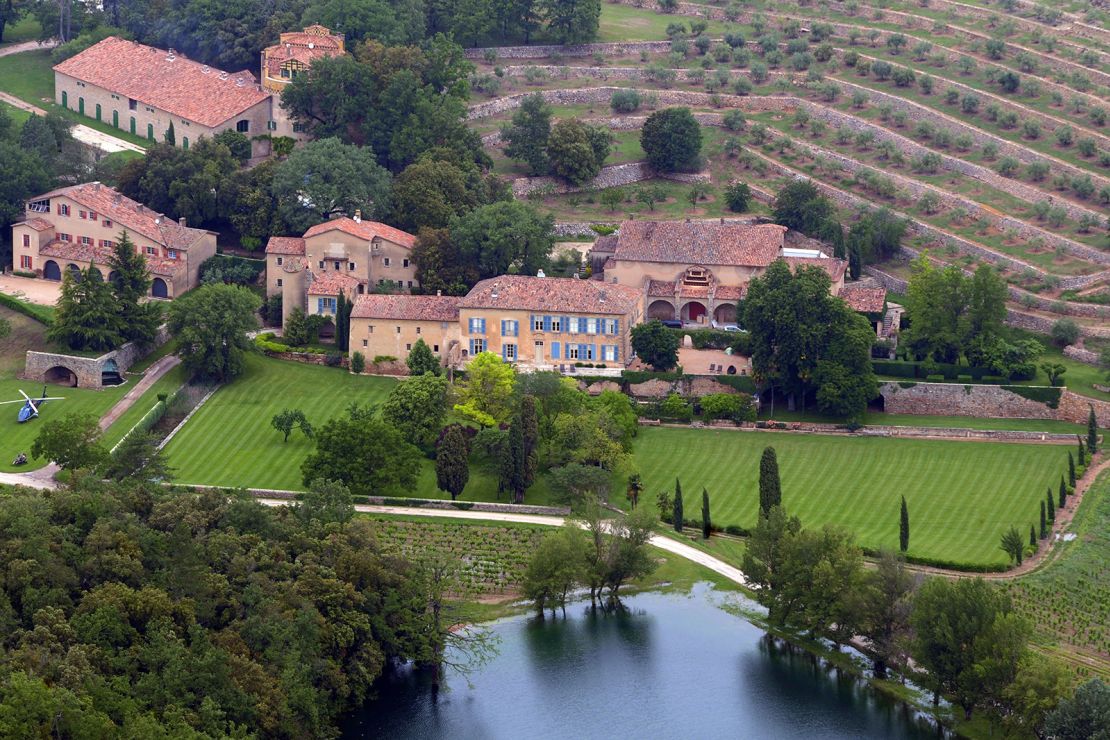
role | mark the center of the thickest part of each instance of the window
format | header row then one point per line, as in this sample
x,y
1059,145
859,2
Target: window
x,y
107,224
86,240
509,351
572,352
107,243
150,131
280,260
477,326
185,141
365,342
418,330
435,348
609,353
298,128
285,72
370,329
385,261
243,126
322,265
279,282
404,263
25,262
82,214
325,305
171,254
556,323
92,215
26,240
572,324
63,209
410,283
611,326
398,330
271,125
408,347
350,265
477,346
132,104
151,251
510,328
537,323
39,206
63,237
591,326
336,264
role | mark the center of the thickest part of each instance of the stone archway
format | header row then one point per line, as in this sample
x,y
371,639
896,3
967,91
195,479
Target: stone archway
x,y
97,271
159,289
74,271
662,310
60,375
51,271
725,313
693,311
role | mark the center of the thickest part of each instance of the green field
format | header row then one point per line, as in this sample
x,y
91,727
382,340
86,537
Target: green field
x,y
1068,600
624,23
961,495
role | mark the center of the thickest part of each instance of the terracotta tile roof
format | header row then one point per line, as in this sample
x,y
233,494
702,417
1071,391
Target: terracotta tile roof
x,y
835,267
864,300
730,292
181,87
694,291
100,255
38,224
364,230
660,288
128,214
285,245
315,42
700,243
527,293
407,307
332,283
605,244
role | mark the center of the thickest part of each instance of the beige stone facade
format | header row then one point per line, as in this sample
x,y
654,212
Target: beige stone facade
x,y
383,337
75,227
290,57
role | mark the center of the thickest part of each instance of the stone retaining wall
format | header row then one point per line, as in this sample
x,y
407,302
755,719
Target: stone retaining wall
x,y
986,401
89,370
569,50
1081,355
610,177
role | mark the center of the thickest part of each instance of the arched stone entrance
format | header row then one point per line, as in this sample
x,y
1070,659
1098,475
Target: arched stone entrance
x,y
59,375
725,313
693,311
97,271
662,310
51,271
159,289
74,271
110,374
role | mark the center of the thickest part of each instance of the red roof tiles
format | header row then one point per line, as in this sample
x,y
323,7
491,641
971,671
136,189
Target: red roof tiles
x,y
835,267
285,245
407,307
333,283
730,292
864,300
700,243
100,255
661,288
171,83
364,230
38,224
570,295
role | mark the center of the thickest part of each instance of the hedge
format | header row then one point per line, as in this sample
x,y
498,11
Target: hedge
x,y
41,314
742,383
715,339
635,377
942,563
1041,394
923,370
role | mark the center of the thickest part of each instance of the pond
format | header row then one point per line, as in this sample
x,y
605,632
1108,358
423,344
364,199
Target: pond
x,y
668,666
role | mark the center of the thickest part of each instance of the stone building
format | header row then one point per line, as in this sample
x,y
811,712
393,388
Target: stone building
x,y
77,226
144,90
345,255
291,56
696,272
389,325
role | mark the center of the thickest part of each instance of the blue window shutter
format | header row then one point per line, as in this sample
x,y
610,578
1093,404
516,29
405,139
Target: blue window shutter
x,y
547,323
616,326
502,327
593,351
502,350
482,326
471,346
532,321
554,350
616,353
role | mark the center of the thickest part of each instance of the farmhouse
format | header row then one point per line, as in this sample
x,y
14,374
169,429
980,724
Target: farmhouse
x,y
696,272
146,90
344,255
536,323
77,226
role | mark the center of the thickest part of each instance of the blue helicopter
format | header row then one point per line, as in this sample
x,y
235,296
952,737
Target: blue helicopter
x,y
31,406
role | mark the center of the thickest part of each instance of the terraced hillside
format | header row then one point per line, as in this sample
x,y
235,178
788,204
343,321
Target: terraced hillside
x,y
986,125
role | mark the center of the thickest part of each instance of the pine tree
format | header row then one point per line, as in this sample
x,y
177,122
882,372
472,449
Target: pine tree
x,y
130,277
1044,522
452,461
1032,536
770,489
1051,506
1071,468
86,317
904,527
1092,430
705,523
1063,492
678,516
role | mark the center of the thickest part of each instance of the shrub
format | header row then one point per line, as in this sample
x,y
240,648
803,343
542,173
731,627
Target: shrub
x,y
333,359
1086,147
926,85
358,363
970,104
882,70
738,197
1065,332
903,77
1030,129
1065,136
625,101
742,86
1037,170
951,97
1008,166
735,120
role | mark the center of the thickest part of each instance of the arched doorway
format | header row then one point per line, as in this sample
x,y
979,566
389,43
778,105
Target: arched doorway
x,y
693,311
110,374
662,310
51,271
112,276
59,375
74,271
159,289
99,274
725,313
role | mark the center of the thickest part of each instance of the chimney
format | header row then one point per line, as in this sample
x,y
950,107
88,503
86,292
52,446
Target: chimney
x,y
540,273
358,216
140,208
181,221
439,293
96,186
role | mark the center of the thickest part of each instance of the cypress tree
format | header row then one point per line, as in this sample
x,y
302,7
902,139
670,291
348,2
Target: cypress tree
x,y
770,489
530,428
340,323
904,527
678,517
452,466
1082,451
1092,430
1051,506
705,523
1063,492
1044,522
1071,468
1032,537
516,483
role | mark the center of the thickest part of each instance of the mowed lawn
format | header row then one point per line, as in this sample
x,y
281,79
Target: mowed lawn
x,y
961,495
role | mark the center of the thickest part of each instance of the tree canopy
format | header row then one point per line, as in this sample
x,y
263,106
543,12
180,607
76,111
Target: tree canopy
x,y
671,139
364,453
211,324
504,235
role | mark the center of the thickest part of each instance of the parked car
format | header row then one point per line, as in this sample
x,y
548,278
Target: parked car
x,y
731,327
672,323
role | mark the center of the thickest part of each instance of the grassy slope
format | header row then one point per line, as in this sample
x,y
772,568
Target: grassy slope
x,y
624,23
961,495
1068,601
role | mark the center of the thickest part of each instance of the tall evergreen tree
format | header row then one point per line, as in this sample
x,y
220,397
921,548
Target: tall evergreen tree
x,y
512,464
530,430
1051,505
1044,522
1071,468
130,278
904,527
170,136
1063,492
343,308
1082,450
706,524
86,317
677,513
452,461
1092,430
770,489
1032,536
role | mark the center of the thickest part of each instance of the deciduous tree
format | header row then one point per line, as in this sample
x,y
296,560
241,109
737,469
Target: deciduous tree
x,y
416,407
364,453
73,442
671,139
500,235
654,344
486,396
211,324
527,135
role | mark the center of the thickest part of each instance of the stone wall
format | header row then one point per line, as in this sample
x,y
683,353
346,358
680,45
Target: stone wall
x,y
610,177
569,50
986,401
1081,355
88,370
